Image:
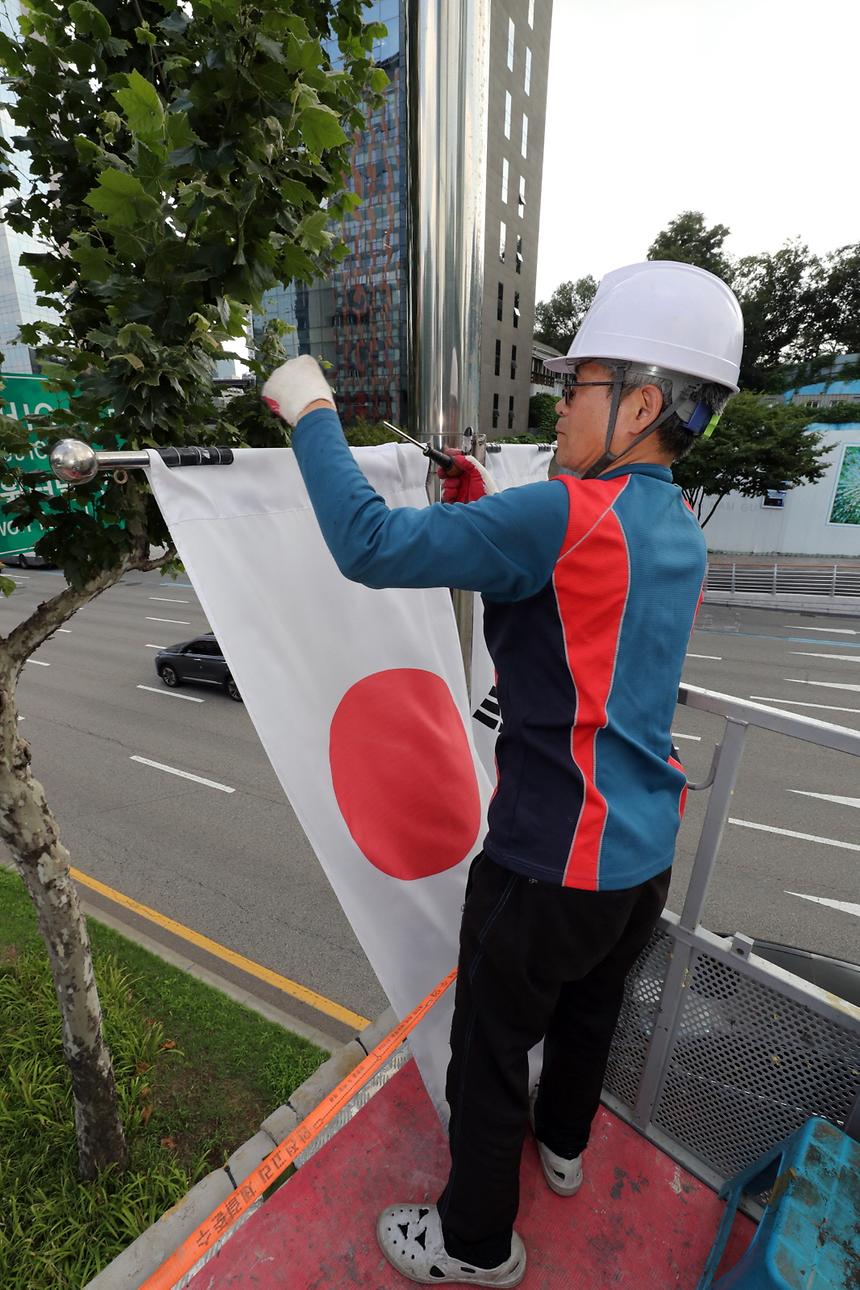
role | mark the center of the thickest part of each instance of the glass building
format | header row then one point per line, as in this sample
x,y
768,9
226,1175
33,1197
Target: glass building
x,y
357,319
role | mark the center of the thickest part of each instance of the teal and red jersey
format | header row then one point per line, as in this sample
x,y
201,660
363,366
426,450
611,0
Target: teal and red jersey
x,y
590,591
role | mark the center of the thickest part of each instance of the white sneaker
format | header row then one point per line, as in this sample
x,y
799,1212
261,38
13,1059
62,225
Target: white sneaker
x,y
410,1237
562,1175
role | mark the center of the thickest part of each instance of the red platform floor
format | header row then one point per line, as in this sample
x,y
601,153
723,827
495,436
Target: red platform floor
x,y
638,1221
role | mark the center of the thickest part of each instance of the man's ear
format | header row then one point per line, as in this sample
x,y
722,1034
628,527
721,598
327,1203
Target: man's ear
x,y
649,405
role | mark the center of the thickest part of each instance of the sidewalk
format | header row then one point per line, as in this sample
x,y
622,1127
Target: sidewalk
x,y
640,1220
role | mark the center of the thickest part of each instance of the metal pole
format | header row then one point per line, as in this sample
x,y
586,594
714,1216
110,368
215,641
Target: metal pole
x,y
447,80
728,766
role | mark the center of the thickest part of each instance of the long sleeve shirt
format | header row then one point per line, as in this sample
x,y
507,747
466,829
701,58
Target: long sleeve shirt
x,y
590,590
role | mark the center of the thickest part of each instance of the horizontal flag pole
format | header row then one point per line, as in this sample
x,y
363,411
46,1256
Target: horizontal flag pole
x,y
76,462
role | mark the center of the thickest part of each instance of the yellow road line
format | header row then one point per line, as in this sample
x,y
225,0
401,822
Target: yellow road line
x,y
310,997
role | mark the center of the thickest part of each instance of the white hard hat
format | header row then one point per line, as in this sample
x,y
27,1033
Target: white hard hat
x,y
662,314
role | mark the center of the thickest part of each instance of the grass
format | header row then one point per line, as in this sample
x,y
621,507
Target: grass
x,y
196,1074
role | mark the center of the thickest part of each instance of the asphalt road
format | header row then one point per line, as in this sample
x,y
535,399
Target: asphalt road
x,y
236,867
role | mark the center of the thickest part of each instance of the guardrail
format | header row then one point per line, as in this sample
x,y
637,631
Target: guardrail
x,y
719,1054
785,579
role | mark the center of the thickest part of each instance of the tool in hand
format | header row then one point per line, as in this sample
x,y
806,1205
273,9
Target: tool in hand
x,y
441,458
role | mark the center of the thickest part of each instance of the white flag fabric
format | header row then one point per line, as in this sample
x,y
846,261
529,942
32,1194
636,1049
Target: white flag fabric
x,y
359,699
512,464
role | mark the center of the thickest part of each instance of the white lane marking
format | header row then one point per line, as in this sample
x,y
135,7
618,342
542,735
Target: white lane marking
x,y
836,631
797,703
716,657
828,685
20,577
808,653
184,774
148,646
844,905
66,630
789,833
677,735
828,797
179,622
165,601
171,694
38,662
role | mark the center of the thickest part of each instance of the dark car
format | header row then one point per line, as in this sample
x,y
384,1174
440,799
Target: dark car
x,y
196,662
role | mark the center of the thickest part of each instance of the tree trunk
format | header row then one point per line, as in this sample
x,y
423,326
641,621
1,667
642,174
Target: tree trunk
x,y
29,829
30,832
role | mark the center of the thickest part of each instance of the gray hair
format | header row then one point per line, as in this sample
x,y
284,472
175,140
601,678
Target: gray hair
x,y
685,392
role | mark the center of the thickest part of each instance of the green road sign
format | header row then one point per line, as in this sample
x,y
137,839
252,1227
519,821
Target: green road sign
x,y
23,397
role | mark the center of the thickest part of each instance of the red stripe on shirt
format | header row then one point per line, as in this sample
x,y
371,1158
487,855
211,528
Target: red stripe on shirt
x,y
591,582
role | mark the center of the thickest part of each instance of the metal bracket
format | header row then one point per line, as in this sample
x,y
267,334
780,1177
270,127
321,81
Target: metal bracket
x,y
709,778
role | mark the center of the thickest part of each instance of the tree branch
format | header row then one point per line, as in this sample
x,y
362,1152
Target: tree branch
x,y
713,508
51,614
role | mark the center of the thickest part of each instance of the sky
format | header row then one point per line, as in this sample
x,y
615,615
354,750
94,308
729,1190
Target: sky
x,y
747,110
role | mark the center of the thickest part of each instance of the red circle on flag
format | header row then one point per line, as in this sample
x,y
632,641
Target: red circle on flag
x,y
403,773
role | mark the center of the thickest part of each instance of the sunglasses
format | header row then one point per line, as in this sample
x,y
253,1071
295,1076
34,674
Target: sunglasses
x,y
569,390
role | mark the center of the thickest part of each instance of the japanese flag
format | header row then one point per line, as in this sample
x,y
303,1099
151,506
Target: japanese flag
x,y
359,699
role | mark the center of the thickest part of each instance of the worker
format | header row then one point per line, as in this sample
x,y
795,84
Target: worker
x,y
591,583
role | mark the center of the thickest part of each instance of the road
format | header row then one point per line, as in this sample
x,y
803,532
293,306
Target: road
x,y
236,866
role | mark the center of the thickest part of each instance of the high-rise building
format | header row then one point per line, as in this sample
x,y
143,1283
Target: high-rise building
x,y
17,291
357,319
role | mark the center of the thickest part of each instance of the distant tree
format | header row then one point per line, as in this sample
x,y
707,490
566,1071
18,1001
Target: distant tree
x,y
780,296
757,445
837,291
558,319
364,434
688,240
543,416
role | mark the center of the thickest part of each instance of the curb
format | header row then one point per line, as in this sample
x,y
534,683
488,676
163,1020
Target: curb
x,y
145,1254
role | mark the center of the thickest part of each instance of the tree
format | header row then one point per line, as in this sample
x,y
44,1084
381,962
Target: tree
x,y
688,240
183,159
557,319
543,416
756,446
781,306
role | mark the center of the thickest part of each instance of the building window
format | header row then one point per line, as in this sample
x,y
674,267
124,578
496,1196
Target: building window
x,y
521,196
500,308
519,253
513,362
498,366
527,80
516,305
532,13
511,412
525,144
503,239
507,114
495,411
505,175
511,30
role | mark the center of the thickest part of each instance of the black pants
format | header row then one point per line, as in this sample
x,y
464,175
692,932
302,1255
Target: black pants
x,y
537,961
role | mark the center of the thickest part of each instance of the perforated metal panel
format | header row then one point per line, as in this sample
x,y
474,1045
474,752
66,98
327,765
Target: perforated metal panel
x,y
636,1022
748,1065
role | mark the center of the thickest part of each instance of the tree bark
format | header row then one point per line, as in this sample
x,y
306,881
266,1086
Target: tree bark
x,y
29,829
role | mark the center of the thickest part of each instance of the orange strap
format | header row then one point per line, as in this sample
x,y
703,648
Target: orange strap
x,y
253,1187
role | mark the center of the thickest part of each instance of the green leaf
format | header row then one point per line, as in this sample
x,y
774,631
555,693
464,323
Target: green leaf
x,y
293,190
142,108
273,48
320,129
313,231
7,586
121,198
379,80
94,262
89,20
132,360
144,35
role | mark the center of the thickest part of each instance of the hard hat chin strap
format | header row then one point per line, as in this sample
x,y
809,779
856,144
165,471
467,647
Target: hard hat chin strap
x,y
607,457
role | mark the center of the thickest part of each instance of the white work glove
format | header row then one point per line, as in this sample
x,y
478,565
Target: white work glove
x,y
294,385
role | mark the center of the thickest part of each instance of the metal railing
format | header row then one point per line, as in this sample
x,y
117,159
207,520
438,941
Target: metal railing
x,y
785,579
719,1054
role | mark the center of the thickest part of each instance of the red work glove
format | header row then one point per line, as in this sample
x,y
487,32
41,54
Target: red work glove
x,y
470,481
